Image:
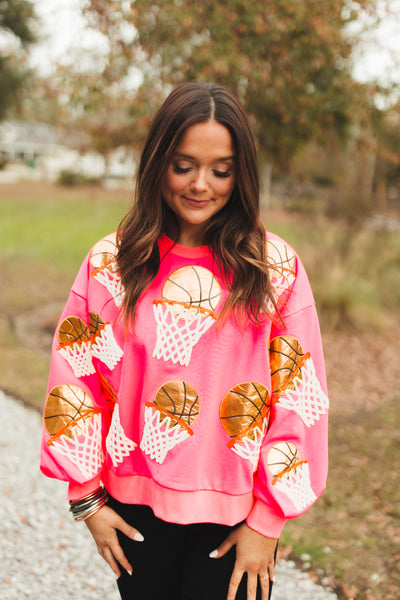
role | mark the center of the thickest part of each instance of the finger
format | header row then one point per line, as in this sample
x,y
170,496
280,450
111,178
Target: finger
x,y
251,586
271,570
109,558
264,584
222,549
234,582
119,555
129,531
111,551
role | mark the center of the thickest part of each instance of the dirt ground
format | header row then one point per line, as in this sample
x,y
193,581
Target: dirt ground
x,y
362,368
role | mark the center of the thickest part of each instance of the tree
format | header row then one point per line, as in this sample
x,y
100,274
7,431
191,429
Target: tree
x,y
289,62
16,34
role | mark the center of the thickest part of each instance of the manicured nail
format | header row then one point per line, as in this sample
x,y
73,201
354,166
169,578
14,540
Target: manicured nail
x,y
129,572
138,537
213,554
273,579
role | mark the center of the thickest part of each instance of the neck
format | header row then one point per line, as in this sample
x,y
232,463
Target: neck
x,y
191,237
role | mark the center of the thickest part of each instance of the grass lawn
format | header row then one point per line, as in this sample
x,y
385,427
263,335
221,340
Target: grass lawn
x,y
352,535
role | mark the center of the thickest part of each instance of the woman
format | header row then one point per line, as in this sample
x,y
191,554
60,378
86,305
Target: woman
x,y
187,375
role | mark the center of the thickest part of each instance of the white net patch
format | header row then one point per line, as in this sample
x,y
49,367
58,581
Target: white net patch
x,y
118,444
111,280
85,448
178,331
296,485
250,448
282,262
79,357
280,282
306,398
105,348
161,433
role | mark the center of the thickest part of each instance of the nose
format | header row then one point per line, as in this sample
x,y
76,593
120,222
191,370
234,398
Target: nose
x,y
199,183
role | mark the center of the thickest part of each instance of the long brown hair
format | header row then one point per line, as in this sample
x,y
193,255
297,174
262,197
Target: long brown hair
x,y
234,235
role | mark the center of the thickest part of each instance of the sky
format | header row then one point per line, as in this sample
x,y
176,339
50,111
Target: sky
x,y
377,58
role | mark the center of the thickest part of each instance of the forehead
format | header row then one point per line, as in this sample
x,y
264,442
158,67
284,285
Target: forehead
x,y
209,138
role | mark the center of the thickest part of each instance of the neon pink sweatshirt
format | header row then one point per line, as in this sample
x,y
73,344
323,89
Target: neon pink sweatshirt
x,y
201,423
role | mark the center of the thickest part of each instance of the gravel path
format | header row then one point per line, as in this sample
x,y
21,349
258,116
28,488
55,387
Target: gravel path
x,y
43,552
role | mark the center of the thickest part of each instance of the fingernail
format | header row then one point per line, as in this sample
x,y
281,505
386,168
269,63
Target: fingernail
x,y
213,554
129,572
273,579
138,537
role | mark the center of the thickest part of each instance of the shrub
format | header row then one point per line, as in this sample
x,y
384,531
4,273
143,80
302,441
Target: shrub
x,y
71,178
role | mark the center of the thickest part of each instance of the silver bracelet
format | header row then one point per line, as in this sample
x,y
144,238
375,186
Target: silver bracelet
x,y
89,505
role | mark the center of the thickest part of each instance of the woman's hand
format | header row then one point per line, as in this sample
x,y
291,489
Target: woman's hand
x,y
102,525
254,556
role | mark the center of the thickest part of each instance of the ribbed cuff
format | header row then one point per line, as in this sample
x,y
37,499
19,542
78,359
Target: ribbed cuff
x,y
76,491
265,521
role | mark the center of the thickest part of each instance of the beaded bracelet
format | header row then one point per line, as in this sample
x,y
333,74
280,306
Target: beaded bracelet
x,y
89,505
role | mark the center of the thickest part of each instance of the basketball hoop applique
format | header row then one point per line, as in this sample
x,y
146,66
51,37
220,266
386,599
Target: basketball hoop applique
x,y
186,311
281,263
118,445
103,259
104,346
75,428
291,475
167,420
305,395
285,356
109,277
244,414
75,345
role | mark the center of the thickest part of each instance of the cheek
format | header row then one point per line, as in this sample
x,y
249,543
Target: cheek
x,y
172,184
225,188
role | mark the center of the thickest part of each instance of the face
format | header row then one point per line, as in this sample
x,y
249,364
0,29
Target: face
x,y
200,179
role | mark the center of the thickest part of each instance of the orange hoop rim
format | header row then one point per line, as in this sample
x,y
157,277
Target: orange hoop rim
x,y
292,376
282,269
257,423
59,433
97,270
73,342
89,340
201,309
287,470
169,414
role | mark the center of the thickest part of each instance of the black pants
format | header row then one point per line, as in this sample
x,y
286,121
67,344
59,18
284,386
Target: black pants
x,y
173,563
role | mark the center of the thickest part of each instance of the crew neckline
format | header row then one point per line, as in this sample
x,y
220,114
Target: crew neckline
x,y
168,245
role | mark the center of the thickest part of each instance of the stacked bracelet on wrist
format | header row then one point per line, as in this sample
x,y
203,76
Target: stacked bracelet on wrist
x,y
89,505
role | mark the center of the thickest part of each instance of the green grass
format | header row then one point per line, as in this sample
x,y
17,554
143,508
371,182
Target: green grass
x,y
354,272
45,232
352,532
54,231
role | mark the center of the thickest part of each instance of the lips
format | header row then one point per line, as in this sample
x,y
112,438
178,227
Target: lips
x,y
196,203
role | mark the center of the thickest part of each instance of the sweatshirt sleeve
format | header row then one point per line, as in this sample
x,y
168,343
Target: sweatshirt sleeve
x,y
293,462
77,410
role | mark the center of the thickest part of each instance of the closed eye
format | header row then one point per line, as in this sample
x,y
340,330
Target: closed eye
x,y
222,173
178,169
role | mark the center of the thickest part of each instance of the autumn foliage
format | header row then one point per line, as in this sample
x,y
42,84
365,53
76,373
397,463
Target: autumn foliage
x,y
288,61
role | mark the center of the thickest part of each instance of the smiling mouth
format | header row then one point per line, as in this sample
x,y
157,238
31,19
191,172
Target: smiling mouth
x,y
196,200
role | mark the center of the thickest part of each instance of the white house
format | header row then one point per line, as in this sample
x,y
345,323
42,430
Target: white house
x,y
35,151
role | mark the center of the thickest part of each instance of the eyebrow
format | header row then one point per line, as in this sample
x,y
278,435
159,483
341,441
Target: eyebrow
x,y
222,159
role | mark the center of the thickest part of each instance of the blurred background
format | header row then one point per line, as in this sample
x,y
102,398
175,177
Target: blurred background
x,y
320,79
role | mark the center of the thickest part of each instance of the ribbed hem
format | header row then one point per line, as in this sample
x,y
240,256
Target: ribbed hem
x,y
264,520
201,506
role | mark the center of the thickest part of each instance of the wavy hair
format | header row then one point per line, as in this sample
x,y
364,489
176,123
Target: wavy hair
x,y
235,235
